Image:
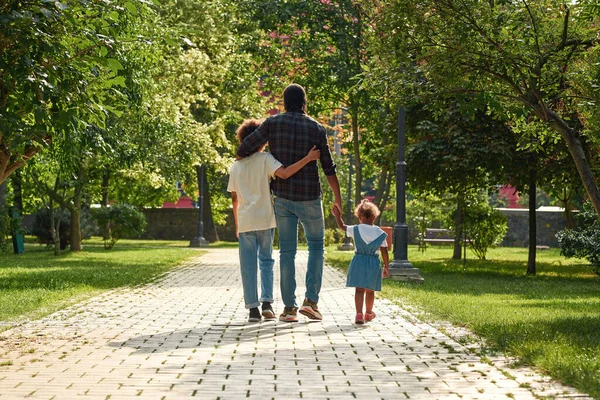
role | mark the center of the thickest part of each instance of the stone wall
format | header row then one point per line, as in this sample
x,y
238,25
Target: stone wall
x,y
548,224
182,224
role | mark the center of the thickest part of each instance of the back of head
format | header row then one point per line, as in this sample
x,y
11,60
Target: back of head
x,y
367,210
294,98
247,127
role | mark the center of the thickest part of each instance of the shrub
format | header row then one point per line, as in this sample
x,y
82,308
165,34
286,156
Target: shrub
x,y
584,240
334,236
484,226
121,220
41,227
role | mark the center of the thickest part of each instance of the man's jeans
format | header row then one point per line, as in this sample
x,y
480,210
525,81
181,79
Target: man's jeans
x,y
256,248
310,215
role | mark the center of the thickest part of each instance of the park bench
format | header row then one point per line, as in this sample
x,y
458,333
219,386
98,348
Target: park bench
x,y
438,236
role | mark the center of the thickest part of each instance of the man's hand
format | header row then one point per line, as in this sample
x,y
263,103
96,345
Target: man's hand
x,y
336,206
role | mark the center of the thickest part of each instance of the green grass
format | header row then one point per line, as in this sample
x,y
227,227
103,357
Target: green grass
x,y
36,283
550,321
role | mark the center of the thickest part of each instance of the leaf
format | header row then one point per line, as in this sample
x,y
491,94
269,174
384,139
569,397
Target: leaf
x,y
114,64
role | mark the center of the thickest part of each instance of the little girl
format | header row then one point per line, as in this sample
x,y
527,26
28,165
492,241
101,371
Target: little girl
x,y
365,272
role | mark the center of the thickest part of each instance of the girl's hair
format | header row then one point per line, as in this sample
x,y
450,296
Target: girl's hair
x,y
366,209
247,127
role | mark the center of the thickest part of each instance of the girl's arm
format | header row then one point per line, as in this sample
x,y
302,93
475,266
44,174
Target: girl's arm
x,y
234,202
286,172
386,261
338,218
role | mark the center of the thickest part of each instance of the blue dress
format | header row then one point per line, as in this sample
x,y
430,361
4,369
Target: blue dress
x,y
365,267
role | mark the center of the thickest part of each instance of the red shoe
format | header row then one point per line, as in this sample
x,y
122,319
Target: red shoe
x,y
359,319
370,316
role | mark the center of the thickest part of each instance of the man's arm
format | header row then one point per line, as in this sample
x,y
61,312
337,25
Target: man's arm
x,y
286,172
334,184
254,141
338,219
329,169
234,202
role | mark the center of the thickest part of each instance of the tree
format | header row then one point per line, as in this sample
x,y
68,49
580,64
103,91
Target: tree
x,y
537,56
59,70
460,152
320,45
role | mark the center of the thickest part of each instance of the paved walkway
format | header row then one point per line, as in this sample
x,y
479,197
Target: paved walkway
x,y
186,336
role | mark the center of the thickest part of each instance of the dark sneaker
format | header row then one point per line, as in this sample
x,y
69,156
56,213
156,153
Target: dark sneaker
x,y
310,310
267,310
254,315
289,315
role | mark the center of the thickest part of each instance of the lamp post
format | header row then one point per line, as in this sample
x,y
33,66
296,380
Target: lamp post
x,y
347,246
199,240
400,268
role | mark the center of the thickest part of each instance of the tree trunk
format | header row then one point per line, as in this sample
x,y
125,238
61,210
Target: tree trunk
x,y
381,189
357,162
104,200
75,209
54,228
75,240
4,229
210,229
573,141
17,184
532,222
460,217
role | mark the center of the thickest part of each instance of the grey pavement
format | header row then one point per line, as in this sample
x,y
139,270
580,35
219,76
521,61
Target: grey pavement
x,y
186,335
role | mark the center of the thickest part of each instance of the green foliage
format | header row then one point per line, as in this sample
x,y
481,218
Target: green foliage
x,y
41,226
584,240
423,211
548,321
484,226
334,236
36,283
529,60
121,220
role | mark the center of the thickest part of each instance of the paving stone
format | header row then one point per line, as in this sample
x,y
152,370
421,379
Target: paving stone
x,y
186,336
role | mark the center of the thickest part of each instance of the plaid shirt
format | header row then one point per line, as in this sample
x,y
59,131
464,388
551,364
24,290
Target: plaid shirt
x,y
291,135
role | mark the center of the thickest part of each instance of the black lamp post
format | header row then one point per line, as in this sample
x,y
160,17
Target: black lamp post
x,y
199,240
400,268
347,246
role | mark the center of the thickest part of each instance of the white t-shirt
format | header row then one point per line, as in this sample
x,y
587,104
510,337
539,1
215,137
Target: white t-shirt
x,y
249,178
368,233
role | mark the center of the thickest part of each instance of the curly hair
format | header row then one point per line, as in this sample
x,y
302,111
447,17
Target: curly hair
x,y
247,127
366,209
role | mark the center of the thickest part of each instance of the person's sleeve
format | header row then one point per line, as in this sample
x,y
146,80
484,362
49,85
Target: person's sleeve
x,y
350,231
272,165
255,140
231,186
326,160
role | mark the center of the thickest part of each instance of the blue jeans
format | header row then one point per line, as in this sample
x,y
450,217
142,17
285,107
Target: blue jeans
x,y
310,215
256,248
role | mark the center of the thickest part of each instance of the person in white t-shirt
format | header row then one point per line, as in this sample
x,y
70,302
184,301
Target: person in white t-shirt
x,y
364,272
255,219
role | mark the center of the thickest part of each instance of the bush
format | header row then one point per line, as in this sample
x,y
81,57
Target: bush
x,y
485,227
334,236
41,227
583,241
121,220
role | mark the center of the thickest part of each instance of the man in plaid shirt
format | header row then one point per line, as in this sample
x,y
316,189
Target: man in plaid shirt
x,y
290,136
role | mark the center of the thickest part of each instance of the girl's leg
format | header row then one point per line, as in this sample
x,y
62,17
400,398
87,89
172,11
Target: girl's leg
x,y
369,300
359,296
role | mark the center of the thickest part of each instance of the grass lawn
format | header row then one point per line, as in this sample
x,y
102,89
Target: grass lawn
x,y
37,283
551,320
